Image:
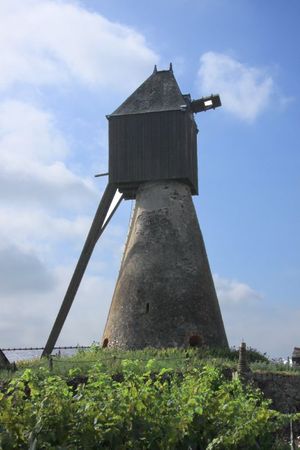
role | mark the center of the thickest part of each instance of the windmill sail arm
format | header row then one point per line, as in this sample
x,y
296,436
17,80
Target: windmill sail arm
x,y
95,232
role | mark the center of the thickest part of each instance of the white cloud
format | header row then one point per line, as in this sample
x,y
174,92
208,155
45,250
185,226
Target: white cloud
x,y
50,42
45,207
45,204
45,212
245,91
248,317
22,272
274,330
28,132
27,317
36,230
233,291
32,155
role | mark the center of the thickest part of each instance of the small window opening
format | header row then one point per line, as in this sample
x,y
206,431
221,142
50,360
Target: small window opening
x,y
208,103
195,341
105,343
147,307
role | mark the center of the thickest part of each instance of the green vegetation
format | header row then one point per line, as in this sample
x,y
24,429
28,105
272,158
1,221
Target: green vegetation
x,y
111,360
108,399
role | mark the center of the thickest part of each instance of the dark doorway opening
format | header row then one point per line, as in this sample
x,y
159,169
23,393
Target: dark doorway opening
x,y
105,343
147,307
195,341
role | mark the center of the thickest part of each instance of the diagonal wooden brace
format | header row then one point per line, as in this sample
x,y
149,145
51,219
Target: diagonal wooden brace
x,y
95,232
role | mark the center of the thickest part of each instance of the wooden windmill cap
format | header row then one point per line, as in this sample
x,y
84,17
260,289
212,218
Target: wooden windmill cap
x,y
160,92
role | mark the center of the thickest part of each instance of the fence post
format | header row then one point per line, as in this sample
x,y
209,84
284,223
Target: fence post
x,y
291,435
50,360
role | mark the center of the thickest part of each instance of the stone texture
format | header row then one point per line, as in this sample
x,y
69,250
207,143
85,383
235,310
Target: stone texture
x,y
282,389
164,296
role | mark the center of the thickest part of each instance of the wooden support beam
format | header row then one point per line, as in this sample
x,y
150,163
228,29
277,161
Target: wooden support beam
x,y
4,362
95,232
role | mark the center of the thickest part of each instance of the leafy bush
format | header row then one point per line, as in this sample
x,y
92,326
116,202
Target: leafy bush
x,y
165,410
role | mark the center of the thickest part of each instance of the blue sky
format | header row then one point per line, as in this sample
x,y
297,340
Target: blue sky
x,y
64,66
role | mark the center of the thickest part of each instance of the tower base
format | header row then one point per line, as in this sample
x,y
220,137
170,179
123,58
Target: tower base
x,y
165,295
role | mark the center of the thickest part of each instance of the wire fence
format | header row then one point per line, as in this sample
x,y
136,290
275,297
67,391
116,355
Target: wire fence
x,y
61,365
62,362
13,349
62,359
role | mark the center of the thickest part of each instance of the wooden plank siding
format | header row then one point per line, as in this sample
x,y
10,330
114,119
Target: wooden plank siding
x,y
152,146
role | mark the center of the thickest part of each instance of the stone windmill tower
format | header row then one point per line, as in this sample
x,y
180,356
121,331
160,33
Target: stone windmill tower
x,y
164,295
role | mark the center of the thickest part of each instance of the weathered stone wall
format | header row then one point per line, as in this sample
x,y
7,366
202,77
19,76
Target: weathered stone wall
x,y
165,295
282,389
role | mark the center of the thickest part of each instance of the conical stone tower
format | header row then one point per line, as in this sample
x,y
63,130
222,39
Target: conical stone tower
x,y
165,295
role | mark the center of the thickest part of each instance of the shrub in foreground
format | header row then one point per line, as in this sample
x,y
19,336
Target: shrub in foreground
x,y
165,410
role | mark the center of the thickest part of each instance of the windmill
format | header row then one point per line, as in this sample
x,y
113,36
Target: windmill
x,y
164,295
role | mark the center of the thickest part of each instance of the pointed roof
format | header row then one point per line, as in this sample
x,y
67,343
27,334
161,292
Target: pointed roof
x,y
160,92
